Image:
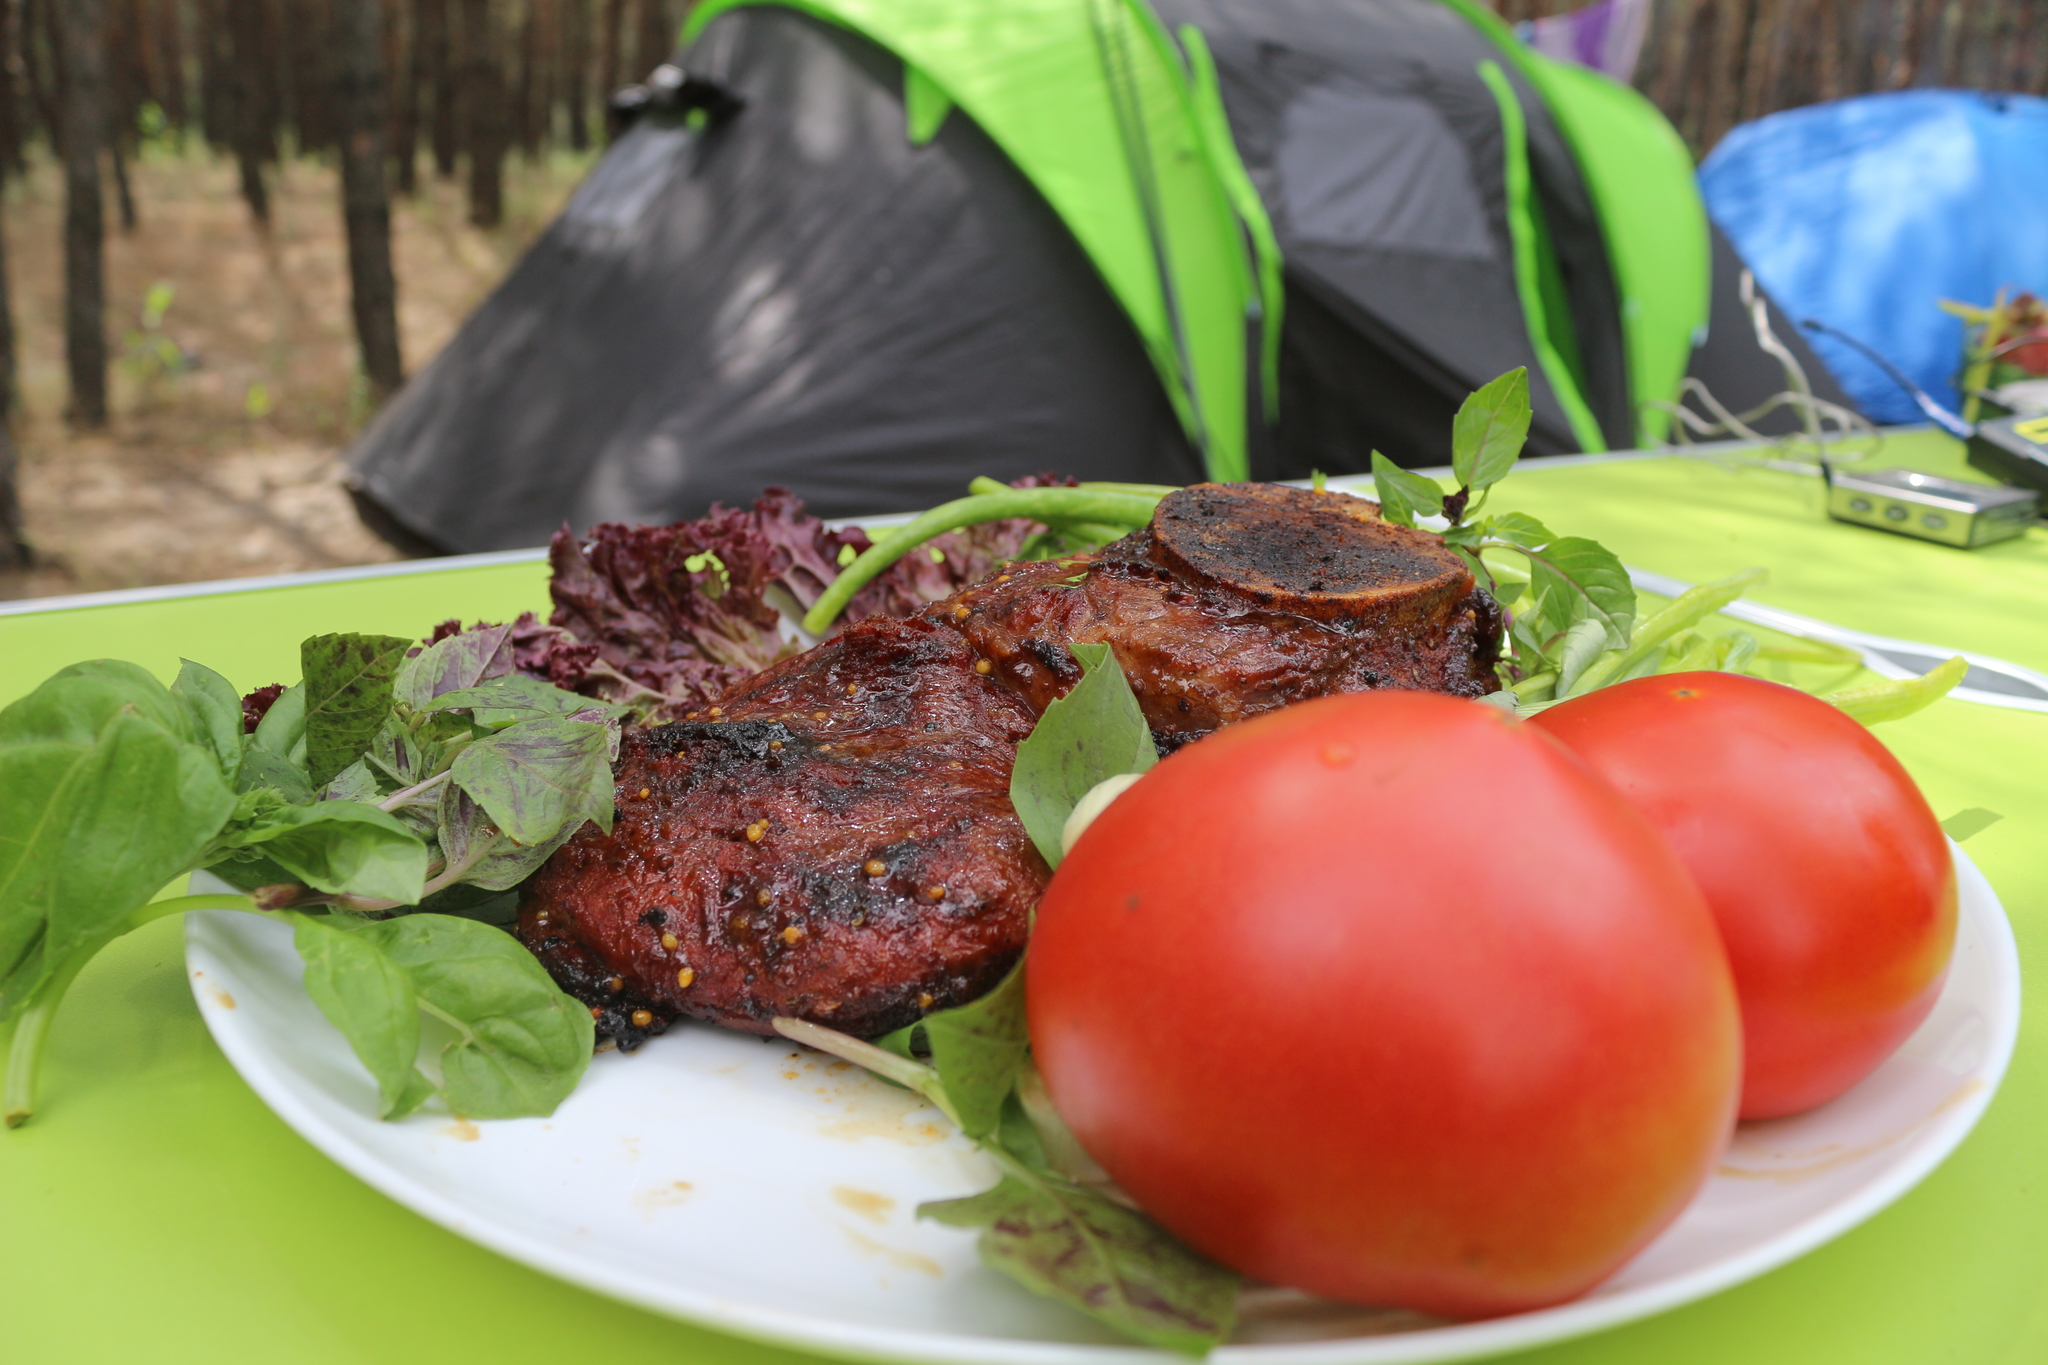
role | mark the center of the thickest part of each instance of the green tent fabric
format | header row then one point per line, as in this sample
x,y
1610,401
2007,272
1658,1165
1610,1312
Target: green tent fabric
x,y
1097,107
1642,179
1116,125
895,244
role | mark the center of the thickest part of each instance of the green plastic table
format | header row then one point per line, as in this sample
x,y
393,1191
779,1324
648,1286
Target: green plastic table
x,y
155,1211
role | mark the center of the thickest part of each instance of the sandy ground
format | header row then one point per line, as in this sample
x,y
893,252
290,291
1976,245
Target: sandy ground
x,y
231,413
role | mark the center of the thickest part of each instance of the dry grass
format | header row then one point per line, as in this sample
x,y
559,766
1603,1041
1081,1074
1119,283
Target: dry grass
x,y
227,464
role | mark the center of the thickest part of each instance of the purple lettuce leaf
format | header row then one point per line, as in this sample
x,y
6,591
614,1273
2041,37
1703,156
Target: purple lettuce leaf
x,y
664,619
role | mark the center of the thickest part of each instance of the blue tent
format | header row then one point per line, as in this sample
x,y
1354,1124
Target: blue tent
x,y
1865,212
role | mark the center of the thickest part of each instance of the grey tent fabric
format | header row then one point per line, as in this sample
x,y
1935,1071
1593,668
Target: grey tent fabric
x,y
784,289
1735,369
1377,151
796,295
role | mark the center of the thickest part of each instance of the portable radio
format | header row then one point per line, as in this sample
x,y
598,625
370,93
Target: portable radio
x,y
1946,511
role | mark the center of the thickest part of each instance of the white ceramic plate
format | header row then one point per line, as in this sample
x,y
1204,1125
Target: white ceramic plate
x,y
771,1191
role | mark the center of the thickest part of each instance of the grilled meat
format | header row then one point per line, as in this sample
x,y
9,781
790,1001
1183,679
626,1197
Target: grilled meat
x,y
834,839
1240,598
836,844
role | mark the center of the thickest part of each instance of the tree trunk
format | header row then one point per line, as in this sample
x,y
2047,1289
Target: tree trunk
x,y
10,391
170,46
14,547
483,100
85,337
608,74
216,74
406,70
526,91
657,38
45,65
124,193
430,34
15,551
308,32
576,71
249,115
358,62
13,104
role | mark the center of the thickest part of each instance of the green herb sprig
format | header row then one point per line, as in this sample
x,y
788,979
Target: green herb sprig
x,y
1573,612
390,779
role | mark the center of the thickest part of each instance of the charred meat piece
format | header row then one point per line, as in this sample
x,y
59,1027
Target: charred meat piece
x,y
1240,598
834,839
835,842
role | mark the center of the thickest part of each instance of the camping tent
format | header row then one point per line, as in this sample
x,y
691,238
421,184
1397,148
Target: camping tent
x,y
868,249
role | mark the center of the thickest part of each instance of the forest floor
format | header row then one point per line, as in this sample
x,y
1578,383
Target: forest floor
x,y
231,413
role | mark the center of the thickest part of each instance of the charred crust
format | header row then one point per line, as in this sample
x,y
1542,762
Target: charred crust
x,y
1054,659
755,739
587,980
1324,556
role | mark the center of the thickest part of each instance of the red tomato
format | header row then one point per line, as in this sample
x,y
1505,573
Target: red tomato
x,y
1384,996
1825,869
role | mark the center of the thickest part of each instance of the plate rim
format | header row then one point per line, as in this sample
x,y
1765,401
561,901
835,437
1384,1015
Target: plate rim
x,y
858,1341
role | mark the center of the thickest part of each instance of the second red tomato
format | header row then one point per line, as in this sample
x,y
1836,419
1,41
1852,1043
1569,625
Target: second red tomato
x,y
1825,870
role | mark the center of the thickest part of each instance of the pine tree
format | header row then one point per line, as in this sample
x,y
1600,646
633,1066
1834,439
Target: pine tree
x,y
358,108
84,134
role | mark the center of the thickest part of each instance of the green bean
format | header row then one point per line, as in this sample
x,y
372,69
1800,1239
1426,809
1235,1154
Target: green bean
x,y
1687,610
1895,700
1050,505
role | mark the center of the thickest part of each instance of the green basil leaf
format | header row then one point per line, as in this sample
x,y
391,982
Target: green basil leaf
x,y
470,839
90,831
245,869
356,782
370,998
282,731
264,769
342,847
1018,1134
348,685
1583,643
1532,647
521,1044
500,908
513,693
74,704
1402,493
214,710
540,777
1520,529
1507,592
460,661
907,1042
1584,577
1490,429
1094,732
977,1050
1466,535
405,756
1113,1263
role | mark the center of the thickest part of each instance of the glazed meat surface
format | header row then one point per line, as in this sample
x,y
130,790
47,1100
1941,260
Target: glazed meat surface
x,y
834,839
836,843
1238,599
